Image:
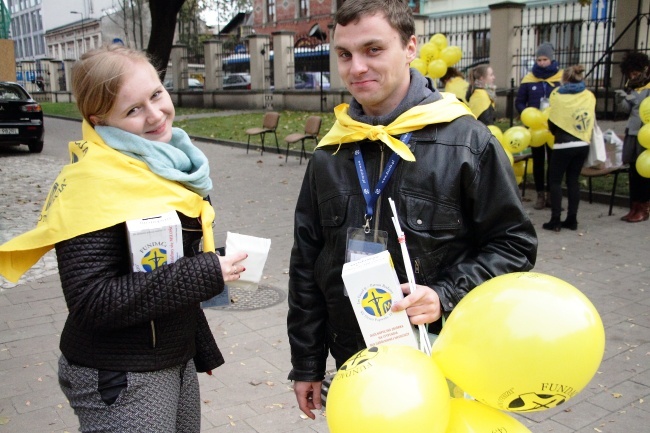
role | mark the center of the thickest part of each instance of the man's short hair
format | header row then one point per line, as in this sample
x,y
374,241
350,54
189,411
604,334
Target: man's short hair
x,y
397,13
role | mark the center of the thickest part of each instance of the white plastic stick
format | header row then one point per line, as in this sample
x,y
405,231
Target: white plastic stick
x,y
425,343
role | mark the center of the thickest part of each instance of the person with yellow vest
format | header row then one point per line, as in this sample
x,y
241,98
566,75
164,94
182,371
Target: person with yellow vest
x,y
571,120
399,138
454,82
481,94
534,90
133,342
636,68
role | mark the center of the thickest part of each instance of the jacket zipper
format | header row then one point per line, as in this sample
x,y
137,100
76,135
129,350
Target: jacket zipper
x,y
153,333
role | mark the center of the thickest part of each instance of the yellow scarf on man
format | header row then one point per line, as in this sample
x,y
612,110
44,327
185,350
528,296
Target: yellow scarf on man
x,y
347,130
553,81
479,101
100,188
575,113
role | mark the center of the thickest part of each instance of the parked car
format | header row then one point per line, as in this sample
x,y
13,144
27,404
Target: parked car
x,y
21,118
312,80
235,81
192,84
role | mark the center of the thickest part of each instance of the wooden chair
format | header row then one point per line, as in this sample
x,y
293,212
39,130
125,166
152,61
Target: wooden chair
x,y
312,129
269,125
590,173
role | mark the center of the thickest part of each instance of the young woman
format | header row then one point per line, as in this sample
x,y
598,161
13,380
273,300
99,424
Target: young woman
x,y
534,91
571,120
133,341
635,66
481,95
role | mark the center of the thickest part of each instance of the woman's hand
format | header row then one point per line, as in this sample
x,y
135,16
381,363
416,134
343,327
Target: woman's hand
x,y
422,306
230,267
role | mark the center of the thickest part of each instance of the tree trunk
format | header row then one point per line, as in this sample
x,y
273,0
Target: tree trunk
x,y
163,24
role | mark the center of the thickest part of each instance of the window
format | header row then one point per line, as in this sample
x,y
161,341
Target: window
x,y
481,41
303,8
270,11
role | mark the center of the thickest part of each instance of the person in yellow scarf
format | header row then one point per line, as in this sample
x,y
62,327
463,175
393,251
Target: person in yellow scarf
x,y
399,138
636,68
129,336
571,120
454,82
535,88
481,94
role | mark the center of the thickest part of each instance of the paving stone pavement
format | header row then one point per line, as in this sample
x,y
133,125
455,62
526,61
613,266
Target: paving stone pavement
x,y
607,259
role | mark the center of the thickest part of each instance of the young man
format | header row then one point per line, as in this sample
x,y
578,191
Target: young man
x,y
452,183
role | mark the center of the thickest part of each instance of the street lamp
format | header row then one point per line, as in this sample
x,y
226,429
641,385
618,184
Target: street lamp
x,y
83,30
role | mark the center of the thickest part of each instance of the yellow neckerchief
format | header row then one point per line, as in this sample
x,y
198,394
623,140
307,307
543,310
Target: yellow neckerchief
x,y
574,113
458,86
647,86
347,130
100,188
479,101
553,81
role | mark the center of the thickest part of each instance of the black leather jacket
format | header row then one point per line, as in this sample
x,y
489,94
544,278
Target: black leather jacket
x,y
458,206
121,320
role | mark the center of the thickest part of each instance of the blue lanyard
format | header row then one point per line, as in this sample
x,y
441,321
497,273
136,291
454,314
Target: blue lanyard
x,y
372,196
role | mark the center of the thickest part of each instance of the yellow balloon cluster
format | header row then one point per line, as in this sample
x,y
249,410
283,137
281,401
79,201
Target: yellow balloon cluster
x,y
643,160
545,343
537,121
436,56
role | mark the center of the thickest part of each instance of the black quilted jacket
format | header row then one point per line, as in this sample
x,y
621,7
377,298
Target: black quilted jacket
x,y
121,320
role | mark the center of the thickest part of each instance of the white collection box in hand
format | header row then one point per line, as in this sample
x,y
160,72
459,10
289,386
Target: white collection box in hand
x,y
373,287
155,241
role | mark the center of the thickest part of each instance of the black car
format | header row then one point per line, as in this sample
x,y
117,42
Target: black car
x,y
21,118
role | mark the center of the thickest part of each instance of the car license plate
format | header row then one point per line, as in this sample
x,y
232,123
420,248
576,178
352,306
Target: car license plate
x,y
8,131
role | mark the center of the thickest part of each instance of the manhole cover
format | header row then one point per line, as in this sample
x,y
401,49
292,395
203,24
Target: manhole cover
x,y
246,299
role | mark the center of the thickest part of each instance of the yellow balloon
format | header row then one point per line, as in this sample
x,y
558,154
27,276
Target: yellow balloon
x,y
529,167
419,65
448,55
458,52
519,168
545,113
539,137
429,52
496,131
644,110
532,117
644,136
519,179
509,155
387,389
545,343
471,416
643,163
439,40
550,140
516,139
437,68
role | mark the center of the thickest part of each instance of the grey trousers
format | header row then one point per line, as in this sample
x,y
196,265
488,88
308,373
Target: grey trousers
x,y
164,401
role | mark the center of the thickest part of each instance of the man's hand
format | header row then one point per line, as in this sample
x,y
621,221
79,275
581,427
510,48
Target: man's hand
x,y
422,306
308,396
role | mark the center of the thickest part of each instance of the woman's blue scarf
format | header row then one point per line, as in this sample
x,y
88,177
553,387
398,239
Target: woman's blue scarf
x,y
179,160
546,72
572,87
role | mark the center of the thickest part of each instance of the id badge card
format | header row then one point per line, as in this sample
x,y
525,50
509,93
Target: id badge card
x,y
544,103
363,243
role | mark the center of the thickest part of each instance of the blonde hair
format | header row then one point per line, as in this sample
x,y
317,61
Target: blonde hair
x,y
573,74
97,78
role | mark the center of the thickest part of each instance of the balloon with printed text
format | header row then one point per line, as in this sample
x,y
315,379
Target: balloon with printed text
x,y
471,416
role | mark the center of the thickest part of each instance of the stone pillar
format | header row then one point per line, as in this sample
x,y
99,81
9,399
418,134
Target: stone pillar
x,y
213,53
67,64
625,13
258,50
49,80
504,41
336,83
179,67
283,60
55,75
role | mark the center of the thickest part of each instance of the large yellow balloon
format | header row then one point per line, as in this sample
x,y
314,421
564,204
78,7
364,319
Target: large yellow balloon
x,y
429,52
519,168
533,118
388,389
470,416
439,40
643,163
437,68
496,131
543,342
644,110
539,137
449,55
419,65
516,139
644,136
